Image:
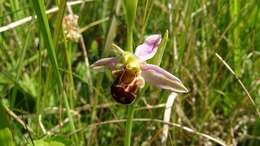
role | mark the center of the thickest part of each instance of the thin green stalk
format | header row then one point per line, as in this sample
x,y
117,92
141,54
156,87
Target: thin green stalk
x,y
147,12
129,125
235,34
130,40
71,89
112,28
58,22
130,9
39,100
43,24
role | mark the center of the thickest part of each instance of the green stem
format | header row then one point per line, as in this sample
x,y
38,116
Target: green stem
x,y
129,125
68,52
43,25
130,39
130,7
69,100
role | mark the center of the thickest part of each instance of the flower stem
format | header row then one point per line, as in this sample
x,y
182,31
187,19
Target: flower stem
x,y
130,40
129,124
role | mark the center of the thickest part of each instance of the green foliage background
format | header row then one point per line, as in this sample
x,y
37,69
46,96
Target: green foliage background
x,y
46,82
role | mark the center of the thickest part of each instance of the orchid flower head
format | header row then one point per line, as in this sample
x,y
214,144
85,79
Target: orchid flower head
x,y
132,71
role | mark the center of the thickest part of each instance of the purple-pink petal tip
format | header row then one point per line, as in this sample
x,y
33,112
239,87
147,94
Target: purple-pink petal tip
x,y
162,79
148,49
103,63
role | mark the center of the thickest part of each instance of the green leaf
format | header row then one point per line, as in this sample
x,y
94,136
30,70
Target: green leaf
x,y
112,29
6,138
39,143
44,27
55,143
157,59
3,117
62,139
45,143
58,22
130,8
43,24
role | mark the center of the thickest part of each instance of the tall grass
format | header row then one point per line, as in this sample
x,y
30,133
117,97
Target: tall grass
x,y
49,95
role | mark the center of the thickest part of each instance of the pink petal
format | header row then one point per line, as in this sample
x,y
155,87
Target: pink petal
x,y
105,63
162,79
148,49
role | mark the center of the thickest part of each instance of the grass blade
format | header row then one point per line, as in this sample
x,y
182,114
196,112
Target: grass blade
x,y
39,8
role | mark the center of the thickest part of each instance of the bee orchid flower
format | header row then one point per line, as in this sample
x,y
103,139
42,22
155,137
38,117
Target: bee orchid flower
x,y
132,71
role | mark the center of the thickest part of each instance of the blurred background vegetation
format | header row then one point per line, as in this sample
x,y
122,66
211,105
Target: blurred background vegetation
x,y
50,96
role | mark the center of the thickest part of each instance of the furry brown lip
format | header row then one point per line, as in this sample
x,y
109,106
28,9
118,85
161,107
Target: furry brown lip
x,y
124,88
